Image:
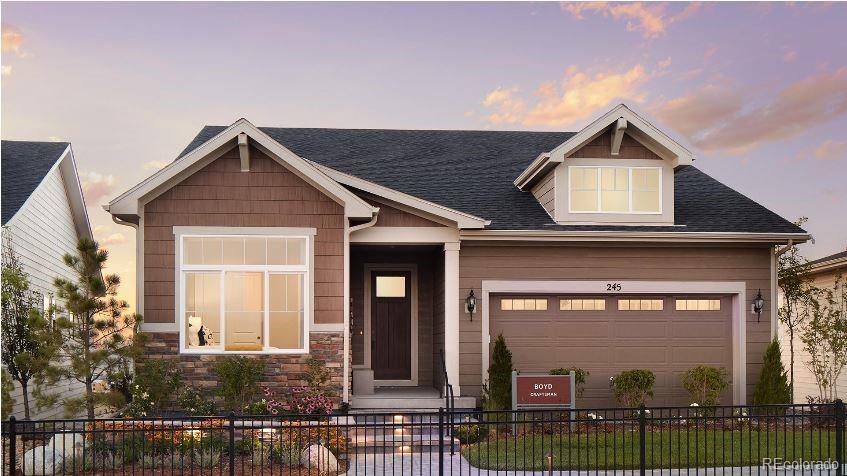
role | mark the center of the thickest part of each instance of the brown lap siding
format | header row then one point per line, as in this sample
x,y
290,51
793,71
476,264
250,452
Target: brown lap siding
x,y
480,262
269,195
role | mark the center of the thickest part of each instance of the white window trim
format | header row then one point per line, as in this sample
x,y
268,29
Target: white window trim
x,y
241,232
600,191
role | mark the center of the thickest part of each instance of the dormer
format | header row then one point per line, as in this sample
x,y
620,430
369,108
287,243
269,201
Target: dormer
x,y
619,170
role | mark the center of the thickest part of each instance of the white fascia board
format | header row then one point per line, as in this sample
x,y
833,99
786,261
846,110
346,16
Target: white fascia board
x,y
354,207
631,236
828,265
535,171
73,185
648,133
463,220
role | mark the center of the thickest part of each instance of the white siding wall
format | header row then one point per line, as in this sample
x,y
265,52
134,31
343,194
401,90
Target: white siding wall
x,y
42,232
804,382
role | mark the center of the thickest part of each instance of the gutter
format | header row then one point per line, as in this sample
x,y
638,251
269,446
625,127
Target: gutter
x,y
611,236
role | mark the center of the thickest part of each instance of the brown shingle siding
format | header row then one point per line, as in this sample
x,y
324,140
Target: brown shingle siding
x,y
221,195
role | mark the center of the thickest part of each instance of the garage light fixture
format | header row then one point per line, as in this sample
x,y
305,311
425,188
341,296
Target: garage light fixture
x,y
758,305
470,304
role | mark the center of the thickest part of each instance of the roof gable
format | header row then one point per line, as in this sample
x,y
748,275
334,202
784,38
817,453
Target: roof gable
x,y
24,166
127,204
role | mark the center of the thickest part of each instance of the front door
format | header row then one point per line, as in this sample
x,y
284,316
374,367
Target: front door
x,y
391,335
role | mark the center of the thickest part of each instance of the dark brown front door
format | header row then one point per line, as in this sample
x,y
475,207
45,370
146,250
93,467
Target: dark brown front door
x,y
391,327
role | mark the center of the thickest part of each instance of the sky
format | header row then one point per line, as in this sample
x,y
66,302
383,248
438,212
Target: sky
x,y
758,91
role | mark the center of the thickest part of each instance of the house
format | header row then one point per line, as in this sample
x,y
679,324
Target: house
x,y
822,274
44,215
606,249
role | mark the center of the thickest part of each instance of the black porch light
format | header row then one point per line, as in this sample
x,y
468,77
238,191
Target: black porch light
x,y
758,305
470,304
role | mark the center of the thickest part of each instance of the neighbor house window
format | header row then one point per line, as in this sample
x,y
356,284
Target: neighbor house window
x,y
582,304
698,304
516,304
244,293
640,305
615,189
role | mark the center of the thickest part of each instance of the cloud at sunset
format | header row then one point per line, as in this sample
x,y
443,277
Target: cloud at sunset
x,y
155,164
648,19
13,40
96,187
113,239
831,150
719,118
579,95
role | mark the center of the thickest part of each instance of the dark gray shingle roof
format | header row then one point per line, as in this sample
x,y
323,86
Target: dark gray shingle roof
x,y
25,164
474,171
832,257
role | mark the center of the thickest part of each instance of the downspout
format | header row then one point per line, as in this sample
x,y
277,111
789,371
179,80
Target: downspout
x,y
777,252
138,286
347,356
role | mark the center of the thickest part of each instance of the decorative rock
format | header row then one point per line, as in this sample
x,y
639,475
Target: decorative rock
x,y
42,460
321,458
68,445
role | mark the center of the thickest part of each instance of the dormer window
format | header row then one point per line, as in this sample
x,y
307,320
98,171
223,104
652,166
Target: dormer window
x,y
610,189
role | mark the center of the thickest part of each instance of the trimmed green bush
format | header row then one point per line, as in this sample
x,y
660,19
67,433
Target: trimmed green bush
x,y
159,379
772,387
632,387
705,384
580,376
468,433
239,377
500,377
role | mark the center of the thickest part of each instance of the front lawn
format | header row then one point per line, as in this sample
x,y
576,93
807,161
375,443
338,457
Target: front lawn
x,y
665,449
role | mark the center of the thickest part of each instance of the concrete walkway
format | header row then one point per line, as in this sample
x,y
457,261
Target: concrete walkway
x,y
424,463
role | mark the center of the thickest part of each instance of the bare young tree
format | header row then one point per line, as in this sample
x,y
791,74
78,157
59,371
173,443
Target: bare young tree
x,y
825,337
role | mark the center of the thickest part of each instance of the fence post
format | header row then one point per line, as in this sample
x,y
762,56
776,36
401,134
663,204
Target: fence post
x,y
441,441
642,440
232,443
839,437
13,453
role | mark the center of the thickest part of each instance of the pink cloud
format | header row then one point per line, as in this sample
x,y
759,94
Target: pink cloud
x,y
579,95
649,19
720,118
788,55
831,150
13,39
96,186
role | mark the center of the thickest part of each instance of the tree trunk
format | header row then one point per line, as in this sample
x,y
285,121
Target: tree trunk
x,y
89,398
791,364
25,391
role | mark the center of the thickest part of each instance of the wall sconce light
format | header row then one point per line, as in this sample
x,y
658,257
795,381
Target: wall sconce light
x,y
758,305
470,304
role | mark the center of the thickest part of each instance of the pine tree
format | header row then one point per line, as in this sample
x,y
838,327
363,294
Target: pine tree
x,y
772,387
500,376
97,337
29,342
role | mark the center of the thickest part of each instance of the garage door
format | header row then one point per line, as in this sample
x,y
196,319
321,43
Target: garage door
x,y
604,335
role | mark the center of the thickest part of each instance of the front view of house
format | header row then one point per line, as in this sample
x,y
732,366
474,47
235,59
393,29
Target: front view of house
x,y
604,249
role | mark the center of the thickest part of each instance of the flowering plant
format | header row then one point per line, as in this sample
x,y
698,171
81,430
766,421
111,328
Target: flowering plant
x,y
268,405
141,404
193,403
302,400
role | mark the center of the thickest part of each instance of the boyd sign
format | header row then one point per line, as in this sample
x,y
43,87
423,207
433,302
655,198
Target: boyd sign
x,y
543,391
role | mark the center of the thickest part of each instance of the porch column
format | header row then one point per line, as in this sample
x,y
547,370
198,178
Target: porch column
x,y
451,313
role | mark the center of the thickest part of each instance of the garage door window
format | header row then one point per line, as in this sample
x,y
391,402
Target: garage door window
x,y
698,304
582,304
640,305
518,304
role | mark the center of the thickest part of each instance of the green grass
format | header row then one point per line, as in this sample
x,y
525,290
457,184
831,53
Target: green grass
x,y
664,449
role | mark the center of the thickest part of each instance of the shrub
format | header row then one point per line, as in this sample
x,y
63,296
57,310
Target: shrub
x,y
705,384
268,405
468,433
159,380
239,377
632,387
315,396
193,403
580,376
772,387
500,376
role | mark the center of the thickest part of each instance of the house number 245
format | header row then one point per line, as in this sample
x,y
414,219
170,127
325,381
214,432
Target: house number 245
x,y
613,287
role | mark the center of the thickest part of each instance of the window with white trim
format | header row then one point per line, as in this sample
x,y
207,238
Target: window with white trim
x,y
609,189
244,293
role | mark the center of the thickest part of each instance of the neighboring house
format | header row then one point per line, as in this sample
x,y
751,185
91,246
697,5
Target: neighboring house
x,y
44,212
822,273
605,248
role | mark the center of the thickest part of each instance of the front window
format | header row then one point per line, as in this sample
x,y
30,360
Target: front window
x,y
615,189
244,293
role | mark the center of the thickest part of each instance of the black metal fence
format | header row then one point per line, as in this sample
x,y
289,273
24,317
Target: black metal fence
x,y
794,439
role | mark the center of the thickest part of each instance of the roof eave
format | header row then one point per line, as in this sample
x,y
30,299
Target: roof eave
x,y
640,236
